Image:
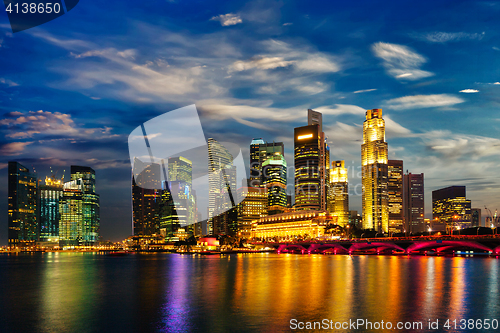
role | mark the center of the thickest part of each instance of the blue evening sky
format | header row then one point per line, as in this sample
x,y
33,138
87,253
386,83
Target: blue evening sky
x,y
72,89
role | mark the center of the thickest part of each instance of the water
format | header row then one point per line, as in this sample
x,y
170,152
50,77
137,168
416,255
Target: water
x,y
84,292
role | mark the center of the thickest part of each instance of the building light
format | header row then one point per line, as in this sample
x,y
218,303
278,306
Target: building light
x,y
305,136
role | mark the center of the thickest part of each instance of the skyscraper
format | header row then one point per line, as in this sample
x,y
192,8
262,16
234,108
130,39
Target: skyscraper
x,y
374,173
90,205
252,208
146,198
22,206
71,226
255,164
413,202
310,156
260,151
50,197
338,193
222,212
274,179
451,206
395,192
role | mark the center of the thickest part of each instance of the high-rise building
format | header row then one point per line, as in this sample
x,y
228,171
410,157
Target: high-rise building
x,y
71,227
222,212
274,179
413,202
395,192
255,164
181,201
252,208
476,217
338,193
311,165
260,151
90,205
50,197
22,206
451,206
146,198
374,173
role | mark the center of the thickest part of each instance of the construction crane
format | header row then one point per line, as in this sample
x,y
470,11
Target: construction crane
x,y
492,219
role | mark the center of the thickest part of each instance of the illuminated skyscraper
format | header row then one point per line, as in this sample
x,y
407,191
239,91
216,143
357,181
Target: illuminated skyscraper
x,y
450,205
395,191
311,165
50,197
255,163
90,205
146,198
413,202
274,179
22,206
71,226
338,193
252,208
222,212
374,173
260,151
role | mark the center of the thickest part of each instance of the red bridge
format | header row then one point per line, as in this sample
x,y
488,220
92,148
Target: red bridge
x,y
415,245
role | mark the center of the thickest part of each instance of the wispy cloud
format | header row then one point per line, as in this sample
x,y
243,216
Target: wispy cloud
x,y
227,19
400,61
423,101
27,125
444,37
13,148
8,82
260,62
469,91
363,91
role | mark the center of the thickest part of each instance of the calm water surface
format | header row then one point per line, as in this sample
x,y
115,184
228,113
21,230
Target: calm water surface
x,y
84,292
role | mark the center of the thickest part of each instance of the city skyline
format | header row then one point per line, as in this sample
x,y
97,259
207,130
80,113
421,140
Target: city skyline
x,y
436,81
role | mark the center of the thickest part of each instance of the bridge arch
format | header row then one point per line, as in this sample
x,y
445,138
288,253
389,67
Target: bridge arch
x,y
434,245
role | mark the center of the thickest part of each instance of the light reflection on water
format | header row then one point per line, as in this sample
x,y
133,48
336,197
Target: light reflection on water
x,y
76,292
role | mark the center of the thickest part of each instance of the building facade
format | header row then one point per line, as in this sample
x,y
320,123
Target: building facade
x,y
338,193
413,202
311,157
451,206
146,198
22,206
250,209
291,225
374,173
90,204
395,193
274,180
50,198
222,211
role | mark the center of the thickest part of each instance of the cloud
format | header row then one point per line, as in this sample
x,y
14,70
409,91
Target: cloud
x,y
8,82
423,101
227,19
287,24
400,61
13,148
469,91
27,125
393,129
468,146
317,64
339,109
260,62
444,37
363,91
